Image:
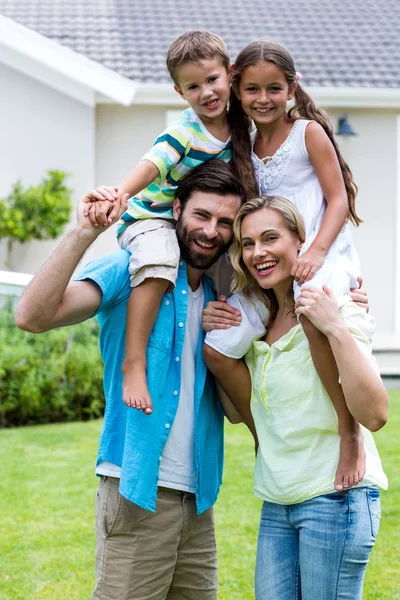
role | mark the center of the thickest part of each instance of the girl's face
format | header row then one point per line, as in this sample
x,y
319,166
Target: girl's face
x,y
269,249
264,93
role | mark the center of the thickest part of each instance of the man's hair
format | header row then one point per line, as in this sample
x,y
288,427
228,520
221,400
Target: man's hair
x,y
194,46
214,177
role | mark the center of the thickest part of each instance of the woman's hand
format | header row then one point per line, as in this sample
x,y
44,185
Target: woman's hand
x,y
320,307
220,315
307,265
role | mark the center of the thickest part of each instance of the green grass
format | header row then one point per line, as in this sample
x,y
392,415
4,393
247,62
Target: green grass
x,y
47,492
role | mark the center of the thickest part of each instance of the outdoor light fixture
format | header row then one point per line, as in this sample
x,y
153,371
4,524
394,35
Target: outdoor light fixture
x,y
344,127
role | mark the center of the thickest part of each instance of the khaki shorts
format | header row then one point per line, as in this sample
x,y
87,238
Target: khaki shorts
x,y
167,555
154,250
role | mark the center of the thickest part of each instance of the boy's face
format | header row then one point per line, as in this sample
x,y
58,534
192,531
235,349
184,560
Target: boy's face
x,y
205,86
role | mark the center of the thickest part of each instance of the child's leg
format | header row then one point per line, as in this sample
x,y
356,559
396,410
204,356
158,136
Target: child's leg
x,y
153,268
351,467
143,307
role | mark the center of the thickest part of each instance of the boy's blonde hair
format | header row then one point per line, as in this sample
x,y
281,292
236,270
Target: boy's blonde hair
x,y
194,46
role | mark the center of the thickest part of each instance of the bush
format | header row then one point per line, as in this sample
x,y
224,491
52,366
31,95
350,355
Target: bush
x,y
56,376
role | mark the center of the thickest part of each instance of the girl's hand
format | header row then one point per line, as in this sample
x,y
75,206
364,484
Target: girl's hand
x,y
359,295
320,307
307,265
220,315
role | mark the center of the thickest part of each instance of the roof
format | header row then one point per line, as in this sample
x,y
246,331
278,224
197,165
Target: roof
x,y
336,43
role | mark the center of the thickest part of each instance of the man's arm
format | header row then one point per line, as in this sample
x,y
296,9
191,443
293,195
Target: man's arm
x,y
49,300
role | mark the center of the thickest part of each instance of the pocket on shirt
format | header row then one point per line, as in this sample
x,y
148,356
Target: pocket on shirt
x,y
162,336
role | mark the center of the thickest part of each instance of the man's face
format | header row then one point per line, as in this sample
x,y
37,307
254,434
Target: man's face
x,y
204,227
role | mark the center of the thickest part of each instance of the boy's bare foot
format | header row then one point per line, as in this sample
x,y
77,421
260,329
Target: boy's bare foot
x,y
352,461
135,392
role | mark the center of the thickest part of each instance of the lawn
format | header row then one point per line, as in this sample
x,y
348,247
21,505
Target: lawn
x,y
47,492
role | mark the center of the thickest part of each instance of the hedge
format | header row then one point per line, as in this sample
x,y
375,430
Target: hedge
x,y
49,377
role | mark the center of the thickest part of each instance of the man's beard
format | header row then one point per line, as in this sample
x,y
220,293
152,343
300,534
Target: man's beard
x,y
197,260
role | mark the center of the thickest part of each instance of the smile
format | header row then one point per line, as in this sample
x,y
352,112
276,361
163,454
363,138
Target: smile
x,y
206,245
266,267
263,110
211,104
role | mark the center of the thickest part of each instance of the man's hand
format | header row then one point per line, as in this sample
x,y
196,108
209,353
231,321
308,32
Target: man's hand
x,y
307,265
91,214
220,315
359,295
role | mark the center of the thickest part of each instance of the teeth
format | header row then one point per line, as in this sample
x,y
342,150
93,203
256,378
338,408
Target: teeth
x,y
266,265
204,244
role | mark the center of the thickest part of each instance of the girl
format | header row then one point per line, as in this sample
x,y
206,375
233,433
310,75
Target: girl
x,y
313,542
294,154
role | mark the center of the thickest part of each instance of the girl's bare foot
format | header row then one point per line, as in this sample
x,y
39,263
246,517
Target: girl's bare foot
x,y
352,461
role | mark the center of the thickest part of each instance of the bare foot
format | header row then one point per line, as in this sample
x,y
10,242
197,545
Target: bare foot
x,y
352,461
135,392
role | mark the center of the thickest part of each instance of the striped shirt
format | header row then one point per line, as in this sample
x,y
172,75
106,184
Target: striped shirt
x,y
180,148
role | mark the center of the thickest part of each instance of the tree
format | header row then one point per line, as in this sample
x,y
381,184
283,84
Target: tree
x,y
35,213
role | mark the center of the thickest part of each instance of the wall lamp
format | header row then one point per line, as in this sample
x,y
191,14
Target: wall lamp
x,y
344,127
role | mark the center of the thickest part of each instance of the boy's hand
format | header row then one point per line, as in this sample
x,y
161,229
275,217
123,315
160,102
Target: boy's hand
x,y
87,219
220,315
101,212
307,265
101,193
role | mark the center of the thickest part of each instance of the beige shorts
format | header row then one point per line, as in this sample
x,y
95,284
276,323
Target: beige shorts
x,y
167,555
154,250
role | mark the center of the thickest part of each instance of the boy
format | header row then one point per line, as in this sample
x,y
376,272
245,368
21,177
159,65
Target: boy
x,y
198,63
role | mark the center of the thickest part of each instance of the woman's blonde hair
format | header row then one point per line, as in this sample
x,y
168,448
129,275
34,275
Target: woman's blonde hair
x,y
243,281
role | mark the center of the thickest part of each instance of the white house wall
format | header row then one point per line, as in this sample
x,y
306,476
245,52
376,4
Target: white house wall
x,y
123,135
56,132
42,129
371,155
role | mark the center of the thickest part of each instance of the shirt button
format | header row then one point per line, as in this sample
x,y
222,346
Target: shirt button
x,y
184,292
177,358
175,393
167,302
180,324
167,425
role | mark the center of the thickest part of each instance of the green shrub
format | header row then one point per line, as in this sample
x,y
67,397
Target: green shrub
x,y
55,376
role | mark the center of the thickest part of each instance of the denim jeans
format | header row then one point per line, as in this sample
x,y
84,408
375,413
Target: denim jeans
x,y
318,549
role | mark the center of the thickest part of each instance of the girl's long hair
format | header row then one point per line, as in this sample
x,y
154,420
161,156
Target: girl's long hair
x,y
242,280
304,107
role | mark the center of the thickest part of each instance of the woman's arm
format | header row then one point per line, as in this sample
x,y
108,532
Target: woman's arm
x,y
365,394
234,378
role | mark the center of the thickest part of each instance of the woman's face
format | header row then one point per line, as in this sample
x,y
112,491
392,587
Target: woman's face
x,y
269,249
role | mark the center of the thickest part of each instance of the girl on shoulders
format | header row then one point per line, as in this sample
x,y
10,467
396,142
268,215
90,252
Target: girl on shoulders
x,y
292,153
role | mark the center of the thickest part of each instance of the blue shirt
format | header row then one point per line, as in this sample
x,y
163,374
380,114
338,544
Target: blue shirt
x,y
135,441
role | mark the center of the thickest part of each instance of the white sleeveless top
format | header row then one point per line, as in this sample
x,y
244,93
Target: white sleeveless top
x,y
290,173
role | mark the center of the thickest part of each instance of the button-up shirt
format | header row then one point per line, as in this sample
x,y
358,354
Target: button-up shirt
x,y
135,441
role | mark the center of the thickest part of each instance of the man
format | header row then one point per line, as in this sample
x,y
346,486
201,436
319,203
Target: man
x,y
160,473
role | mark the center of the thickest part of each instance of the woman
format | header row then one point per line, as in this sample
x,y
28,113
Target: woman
x,y
314,542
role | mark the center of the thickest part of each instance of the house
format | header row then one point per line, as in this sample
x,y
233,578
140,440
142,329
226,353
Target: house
x,y
85,89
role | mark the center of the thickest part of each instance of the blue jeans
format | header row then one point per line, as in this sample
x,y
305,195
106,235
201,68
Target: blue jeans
x,y
318,549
